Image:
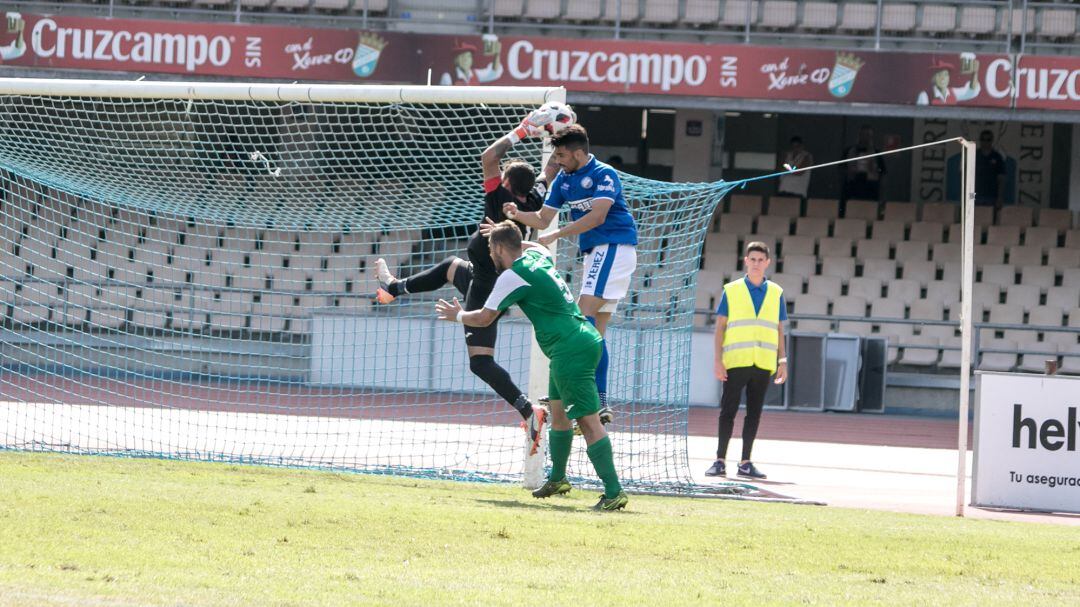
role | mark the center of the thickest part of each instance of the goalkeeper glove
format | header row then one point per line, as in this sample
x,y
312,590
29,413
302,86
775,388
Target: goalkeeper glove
x,y
527,128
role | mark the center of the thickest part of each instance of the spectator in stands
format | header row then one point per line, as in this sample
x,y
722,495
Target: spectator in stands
x,y
749,349
989,173
796,157
862,180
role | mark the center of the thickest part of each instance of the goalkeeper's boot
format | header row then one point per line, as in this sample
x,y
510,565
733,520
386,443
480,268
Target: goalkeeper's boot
x,y
606,414
551,488
383,275
610,504
534,427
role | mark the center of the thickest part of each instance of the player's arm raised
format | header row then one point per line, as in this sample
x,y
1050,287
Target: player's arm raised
x,y
492,157
595,217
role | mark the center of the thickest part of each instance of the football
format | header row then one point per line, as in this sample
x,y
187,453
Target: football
x,y
553,117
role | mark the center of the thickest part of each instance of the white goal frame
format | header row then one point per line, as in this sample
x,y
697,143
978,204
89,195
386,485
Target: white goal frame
x,y
310,93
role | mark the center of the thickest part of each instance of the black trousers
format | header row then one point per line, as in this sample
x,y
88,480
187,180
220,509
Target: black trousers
x,y
755,381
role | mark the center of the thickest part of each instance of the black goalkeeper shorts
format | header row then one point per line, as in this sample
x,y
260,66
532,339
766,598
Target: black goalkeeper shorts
x,y
476,293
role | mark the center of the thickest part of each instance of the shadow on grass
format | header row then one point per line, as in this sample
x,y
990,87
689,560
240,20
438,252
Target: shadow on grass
x,y
547,505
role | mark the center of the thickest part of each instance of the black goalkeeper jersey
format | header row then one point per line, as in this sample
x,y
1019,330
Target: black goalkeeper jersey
x,y
495,195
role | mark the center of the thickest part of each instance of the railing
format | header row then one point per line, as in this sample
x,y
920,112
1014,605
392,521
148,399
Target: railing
x,y
1005,26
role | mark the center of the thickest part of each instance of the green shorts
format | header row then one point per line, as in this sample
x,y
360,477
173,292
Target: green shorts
x,y
572,379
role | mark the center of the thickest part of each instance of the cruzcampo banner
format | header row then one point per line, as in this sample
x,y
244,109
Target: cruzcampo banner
x,y
664,68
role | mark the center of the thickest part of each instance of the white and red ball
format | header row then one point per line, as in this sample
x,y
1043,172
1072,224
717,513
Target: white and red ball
x,y
553,117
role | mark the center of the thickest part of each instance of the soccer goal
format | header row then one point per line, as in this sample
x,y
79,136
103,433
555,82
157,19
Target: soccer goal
x,y
186,273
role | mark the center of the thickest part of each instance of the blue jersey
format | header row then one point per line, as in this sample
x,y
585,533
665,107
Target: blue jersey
x,y
578,189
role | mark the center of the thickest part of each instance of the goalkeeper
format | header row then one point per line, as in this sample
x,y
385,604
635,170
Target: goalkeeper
x,y
474,279
529,279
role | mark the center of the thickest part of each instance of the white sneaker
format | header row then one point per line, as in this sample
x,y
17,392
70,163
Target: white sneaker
x,y
535,473
383,275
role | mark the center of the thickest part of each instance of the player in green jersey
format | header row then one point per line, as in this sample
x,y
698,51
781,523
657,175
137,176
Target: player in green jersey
x,y
528,278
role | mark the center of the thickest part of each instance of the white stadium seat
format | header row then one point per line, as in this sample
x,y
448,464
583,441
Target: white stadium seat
x,y
819,15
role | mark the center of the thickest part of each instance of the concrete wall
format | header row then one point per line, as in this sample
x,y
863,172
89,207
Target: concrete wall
x,y
694,132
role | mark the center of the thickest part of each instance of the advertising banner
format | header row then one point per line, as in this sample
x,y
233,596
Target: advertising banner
x,y
1027,442
607,66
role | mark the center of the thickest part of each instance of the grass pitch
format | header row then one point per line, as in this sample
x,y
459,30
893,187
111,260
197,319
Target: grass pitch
x,y
105,531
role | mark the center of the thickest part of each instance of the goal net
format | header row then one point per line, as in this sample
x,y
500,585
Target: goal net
x,y
187,273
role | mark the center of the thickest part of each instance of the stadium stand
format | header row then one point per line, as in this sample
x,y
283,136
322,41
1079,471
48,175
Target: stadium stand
x,y
907,276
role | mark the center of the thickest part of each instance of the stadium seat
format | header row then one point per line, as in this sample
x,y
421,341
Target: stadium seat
x,y
254,3
881,269
815,227
1001,274
550,9
791,283
722,243
723,262
1039,278
920,350
107,317
1004,235
823,207
1070,277
1007,315
858,16
866,287
977,20
1025,296
889,231
737,12
1057,23
940,212
700,12
898,18
779,14
508,8
943,292
998,361
583,10
984,216
291,4
872,249
905,213
215,3
1023,21
855,229
1061,219
150,319
946,252
1016,216
1065,298
746,204
937,19
331,5
829,286
843,267
911,250
890,309
1026,255
984,295
989,254
1046,316
921,272
862,209
849,305
927,309
813,304
819,15
1036,363
797,245
802,265
835,247
785,206
1042,237
773,225
923,231
736,224
628,14
1072,239
903,290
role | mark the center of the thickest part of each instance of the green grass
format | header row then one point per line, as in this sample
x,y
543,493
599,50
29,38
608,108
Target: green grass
x,y
105,531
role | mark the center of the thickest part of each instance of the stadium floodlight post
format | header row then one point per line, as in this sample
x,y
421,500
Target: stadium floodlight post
x,y
967,208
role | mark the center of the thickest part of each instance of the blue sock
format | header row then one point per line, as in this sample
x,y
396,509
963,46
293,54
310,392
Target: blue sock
x,y
601,369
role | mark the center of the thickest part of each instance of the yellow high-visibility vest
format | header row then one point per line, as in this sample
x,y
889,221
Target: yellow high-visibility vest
x,y
751,339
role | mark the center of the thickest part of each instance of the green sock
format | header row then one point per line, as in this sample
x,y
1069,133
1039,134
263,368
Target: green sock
x,y
559,442
603,460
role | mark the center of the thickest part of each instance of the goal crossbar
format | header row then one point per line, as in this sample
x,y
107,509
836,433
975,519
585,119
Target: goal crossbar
x,y
258,91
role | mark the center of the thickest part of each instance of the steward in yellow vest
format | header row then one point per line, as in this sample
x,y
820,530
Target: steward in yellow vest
x,y
749,350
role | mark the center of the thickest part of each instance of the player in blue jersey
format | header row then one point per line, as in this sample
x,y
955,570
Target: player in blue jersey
x,y
601,219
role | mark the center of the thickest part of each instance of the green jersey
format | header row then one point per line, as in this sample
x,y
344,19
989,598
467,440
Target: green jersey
x,y
536,287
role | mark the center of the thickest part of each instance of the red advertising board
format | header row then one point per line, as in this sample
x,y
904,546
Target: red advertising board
x,y
736,71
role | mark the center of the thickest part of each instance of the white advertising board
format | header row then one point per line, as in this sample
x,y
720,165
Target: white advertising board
x,y
1027,442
